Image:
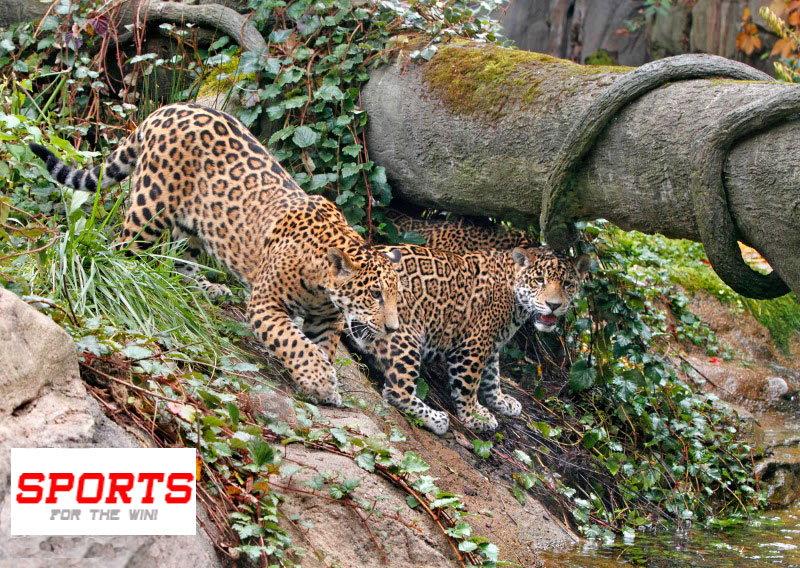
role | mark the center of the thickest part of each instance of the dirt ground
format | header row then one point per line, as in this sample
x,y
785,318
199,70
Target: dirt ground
x,y
758,376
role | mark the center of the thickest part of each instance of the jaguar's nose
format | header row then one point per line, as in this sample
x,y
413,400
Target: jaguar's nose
x,y
553,305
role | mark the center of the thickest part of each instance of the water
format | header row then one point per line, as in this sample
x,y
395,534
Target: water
x,y
772,539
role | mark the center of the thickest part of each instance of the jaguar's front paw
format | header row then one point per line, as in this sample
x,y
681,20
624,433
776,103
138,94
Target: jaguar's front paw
x,y
480,419
437,422
215,291
507,406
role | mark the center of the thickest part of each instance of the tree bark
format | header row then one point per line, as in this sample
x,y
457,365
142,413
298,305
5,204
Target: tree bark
x,y
454,138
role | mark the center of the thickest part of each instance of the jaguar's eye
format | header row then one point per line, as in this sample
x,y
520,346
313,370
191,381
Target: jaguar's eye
x,y
376,294
539,281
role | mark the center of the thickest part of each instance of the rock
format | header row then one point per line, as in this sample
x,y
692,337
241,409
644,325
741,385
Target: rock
x,y
411,541
43,403
777,388
31,351
275,405
782,479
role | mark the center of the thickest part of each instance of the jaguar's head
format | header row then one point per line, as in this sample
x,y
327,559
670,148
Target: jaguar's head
x,y
546,283
364,287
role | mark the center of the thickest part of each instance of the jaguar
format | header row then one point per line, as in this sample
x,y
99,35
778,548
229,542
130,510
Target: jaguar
x,y
200,175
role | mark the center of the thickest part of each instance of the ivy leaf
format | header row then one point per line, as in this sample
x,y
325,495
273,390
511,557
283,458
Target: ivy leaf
x,y
92,345
248,116
461,530
581,376
233,412
366,460
329,93
351,169
425,484
489,551
290,75
412,463
519,495
340,436
482,449
136,352
352,150
320,180
397,436
295,102
445,502
523,457
422,388
261,452
304,137
279,36
378,175
591,438
281,134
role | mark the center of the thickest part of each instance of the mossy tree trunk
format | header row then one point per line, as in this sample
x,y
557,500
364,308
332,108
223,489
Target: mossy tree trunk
x,y
476,129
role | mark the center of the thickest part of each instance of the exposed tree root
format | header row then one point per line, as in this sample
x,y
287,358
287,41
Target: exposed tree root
x,y
714,219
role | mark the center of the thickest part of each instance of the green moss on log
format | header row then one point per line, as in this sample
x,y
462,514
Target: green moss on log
x,y
222,78
487,80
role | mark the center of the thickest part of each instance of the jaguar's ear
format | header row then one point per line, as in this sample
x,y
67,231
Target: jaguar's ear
x,y
343,267
583,264
521,257
394,255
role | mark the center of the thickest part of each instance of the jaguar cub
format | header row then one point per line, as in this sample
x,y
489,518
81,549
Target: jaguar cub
x,y
464,308
199,174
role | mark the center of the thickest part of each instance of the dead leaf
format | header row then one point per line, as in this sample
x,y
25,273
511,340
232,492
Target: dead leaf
x,y
748,40
783,47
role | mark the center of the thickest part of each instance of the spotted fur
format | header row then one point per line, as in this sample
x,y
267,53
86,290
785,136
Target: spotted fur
x,y
460,234
198,173
463,309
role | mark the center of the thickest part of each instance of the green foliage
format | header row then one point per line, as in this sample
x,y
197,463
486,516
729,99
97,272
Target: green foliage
x,y
661,263
482,448
601,57
310,84
658,451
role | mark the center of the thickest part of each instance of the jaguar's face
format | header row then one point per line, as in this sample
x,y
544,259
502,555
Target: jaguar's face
x,y
546,283
365,290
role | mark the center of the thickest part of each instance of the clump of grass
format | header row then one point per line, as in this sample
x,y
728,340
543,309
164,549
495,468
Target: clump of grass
x,y
82,273
780,316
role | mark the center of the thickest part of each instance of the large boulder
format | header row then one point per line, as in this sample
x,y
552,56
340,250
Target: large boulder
x,y
43,403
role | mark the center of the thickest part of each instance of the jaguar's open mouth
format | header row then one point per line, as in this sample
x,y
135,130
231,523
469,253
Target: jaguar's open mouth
x,y
545,322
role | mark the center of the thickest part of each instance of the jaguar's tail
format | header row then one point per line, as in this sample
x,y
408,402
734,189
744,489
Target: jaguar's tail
x,y
117,166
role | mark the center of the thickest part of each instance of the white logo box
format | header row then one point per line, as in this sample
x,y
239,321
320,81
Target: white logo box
x,y
159,484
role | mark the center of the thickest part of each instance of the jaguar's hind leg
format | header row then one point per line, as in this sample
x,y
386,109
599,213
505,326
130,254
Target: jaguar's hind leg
x,y
399,357
142,227
190,269
490,393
